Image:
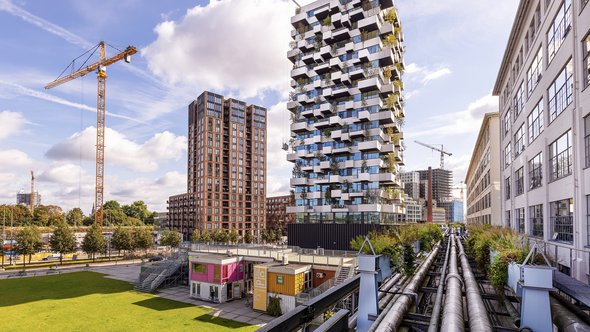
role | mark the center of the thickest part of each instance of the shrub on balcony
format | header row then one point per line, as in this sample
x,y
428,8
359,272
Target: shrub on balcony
x,y
390,40
391,16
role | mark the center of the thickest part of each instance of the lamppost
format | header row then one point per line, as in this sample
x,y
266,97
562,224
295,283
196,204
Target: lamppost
x,y
3,233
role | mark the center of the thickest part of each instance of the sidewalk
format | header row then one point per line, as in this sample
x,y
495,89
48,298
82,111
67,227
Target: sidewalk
x,y
114,270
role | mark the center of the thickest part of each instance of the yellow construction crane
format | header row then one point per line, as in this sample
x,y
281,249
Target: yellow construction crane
x,y
100,68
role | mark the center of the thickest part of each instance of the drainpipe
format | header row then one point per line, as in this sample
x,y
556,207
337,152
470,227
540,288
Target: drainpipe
x,y
392,318
478,316
453,310
435,317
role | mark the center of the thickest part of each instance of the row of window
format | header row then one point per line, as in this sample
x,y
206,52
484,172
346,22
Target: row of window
x,y
561,217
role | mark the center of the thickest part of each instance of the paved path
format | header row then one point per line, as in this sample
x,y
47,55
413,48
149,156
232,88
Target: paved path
x,y
237,310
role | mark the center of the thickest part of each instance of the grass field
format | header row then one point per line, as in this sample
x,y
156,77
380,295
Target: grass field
x,y
86,301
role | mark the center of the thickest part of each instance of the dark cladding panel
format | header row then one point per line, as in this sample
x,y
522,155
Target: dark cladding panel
x,y
327,236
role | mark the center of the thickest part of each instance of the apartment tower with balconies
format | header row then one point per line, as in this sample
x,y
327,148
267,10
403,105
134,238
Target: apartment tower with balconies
x,y
226,168
347,115
545,129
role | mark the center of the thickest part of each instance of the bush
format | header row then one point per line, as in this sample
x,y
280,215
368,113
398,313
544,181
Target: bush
x,y
274,306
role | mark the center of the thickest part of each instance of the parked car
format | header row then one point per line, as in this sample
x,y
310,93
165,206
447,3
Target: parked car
x,y
155,258
51,257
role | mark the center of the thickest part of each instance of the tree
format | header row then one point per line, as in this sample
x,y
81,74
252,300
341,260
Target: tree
x,y
88,221
271,236
279,235
170,238
234,236
94,242
122,239
55,215
137,209
196,236
113,213
131,221
248,238
28,242
142,239
205,236
40,216
220,236
75,217
63,240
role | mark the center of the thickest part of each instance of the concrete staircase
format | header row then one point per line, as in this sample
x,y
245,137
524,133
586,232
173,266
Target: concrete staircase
x,y
345,272
151,277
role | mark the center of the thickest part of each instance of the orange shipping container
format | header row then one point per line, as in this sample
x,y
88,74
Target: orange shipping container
x,y
287,279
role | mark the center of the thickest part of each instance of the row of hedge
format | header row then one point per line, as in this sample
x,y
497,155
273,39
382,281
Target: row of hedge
x,y
398,243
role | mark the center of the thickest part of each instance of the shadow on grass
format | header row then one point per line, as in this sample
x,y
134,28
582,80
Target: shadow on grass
x,y
160,304
206,318
58,287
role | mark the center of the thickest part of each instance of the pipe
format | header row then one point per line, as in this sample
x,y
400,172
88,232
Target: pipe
x,y
511,311
477,313
435,316
393,317
453,310
571,307
566,320
386,287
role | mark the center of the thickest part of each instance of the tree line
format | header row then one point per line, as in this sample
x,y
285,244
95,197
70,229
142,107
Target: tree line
x,y
222,236
115,214
63,241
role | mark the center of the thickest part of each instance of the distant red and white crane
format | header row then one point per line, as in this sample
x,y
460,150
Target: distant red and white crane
x,y
441,150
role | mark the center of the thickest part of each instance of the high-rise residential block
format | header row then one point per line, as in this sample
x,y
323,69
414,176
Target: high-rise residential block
x,y
226,168
24,198
483,175
347,112
545,128
276,212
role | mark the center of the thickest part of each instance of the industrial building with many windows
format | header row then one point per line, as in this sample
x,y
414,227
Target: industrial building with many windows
x,y
347,113
545,127
276,212
226,168
483,175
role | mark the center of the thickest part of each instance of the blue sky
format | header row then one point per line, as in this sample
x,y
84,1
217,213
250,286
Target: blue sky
x,y
234,47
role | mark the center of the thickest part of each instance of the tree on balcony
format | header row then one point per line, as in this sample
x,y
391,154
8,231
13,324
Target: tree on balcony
x,y
387,73
345,186
327,21
390,40
334,168
364,167
391,16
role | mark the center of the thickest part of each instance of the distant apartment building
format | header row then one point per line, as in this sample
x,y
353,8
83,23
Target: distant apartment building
x,y
226,168
545,133
439,215
442,182
453,210
411,183
413,210
276,212
347,116
24,198
483,175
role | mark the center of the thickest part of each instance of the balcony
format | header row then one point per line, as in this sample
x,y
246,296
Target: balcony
x,y
291,105
336,120
299,127
292,157
369,84
322,68
322,124
340,34
299,72
299,209
384,117
356,14
364,177
369,146
335,178
299,182
336,193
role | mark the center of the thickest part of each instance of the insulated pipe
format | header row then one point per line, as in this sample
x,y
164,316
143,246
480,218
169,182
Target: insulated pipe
x,y
386,287
389,300
435,316
393,317
478,316
453,310
511,311
566,320
574,309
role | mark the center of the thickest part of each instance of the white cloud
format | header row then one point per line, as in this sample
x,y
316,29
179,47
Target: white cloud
x,y
154,193
10,123
14,159
233,45
457,123
119,150
278,168
425,74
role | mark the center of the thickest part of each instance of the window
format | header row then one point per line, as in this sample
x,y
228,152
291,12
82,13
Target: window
x,y
536,218
507,187
280,280
519,140
535,171
533,75
507,122
562,220
561,156
507,155
519,215
199,268
561,91
519,100
586,63
508,219
559,28
519,181
535,121
587,140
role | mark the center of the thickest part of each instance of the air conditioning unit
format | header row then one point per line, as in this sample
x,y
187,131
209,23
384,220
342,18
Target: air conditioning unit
x,y
320,275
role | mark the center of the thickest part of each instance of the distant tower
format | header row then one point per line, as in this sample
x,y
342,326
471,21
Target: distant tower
x,y
32,200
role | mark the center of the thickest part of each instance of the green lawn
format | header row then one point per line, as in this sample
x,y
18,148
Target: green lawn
x,y
86,301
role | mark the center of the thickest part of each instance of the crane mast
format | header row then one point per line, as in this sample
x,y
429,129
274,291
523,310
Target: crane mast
x,y
32,199
101,74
